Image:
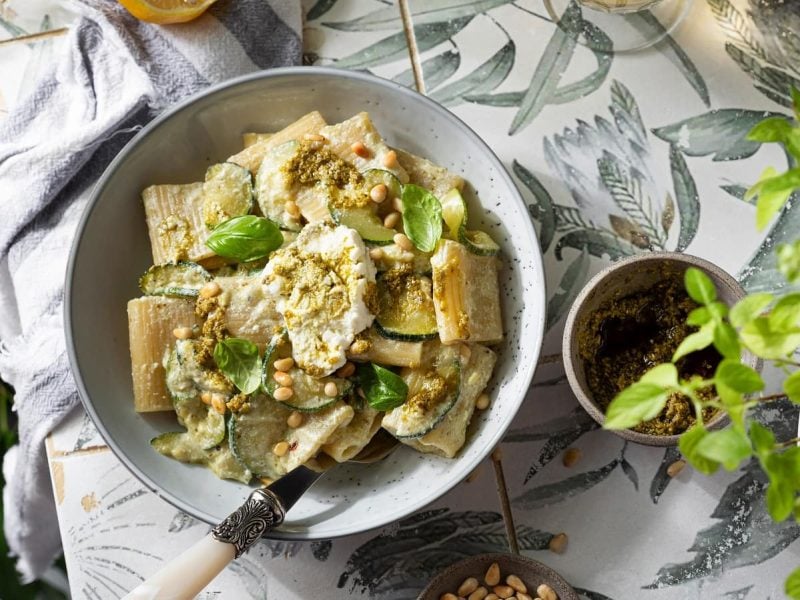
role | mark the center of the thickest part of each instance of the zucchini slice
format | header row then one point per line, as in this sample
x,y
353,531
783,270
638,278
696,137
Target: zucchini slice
x,y
227,193
182,279
309,392
366,223
373,177
454,213
182,447
203,424
405,306
433,390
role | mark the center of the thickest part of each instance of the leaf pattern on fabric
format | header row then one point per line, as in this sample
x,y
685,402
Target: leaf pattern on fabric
x,y
483,78
571,283
661,479
560,491
434,70
687,198
559,433
319,8
431,11
590,595
403,560
321,550
745,534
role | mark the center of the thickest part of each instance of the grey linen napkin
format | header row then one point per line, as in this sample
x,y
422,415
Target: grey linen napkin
x,y
113,75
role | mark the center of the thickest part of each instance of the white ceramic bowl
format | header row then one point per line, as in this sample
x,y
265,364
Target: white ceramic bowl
x,y
112,249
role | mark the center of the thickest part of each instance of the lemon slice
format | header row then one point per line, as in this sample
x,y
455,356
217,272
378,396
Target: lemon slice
x,y
166,11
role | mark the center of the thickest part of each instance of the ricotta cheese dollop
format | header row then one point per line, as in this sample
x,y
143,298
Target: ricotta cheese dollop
x,y
324,282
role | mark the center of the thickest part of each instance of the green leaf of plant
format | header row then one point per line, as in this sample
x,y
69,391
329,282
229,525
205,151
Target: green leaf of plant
x,y
483,79
785,315
383,389
245,238
748,308
792,585
791,387
638,403
552,65
728,446
664,375
762,438
780,500
686,196
422,217
699,286
789,260
696,341
738,377
717,310
726,340
771,129
762,340
688,446
699,316
238,360
769,204
542,210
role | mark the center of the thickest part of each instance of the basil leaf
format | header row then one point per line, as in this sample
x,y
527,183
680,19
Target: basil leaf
x,y
688,443
245,238
238,360
383,389
727,446
699,286
640,402
422,217
738,377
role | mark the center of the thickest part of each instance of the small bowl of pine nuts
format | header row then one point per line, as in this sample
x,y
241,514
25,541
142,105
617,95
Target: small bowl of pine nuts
x,y
498,576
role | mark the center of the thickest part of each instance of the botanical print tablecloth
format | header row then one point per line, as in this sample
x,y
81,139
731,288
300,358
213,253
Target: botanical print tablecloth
x,y
615,154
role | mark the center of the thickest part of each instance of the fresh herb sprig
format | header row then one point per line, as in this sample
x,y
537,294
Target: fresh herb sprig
x,y
383,389
422,217
767,326
245,238
238,360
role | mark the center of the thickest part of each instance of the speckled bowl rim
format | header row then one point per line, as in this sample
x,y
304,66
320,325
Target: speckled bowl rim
x,y
524,371
570,333
549,576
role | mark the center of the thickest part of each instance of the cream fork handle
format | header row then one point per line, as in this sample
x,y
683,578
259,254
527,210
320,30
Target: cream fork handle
x,y
186,575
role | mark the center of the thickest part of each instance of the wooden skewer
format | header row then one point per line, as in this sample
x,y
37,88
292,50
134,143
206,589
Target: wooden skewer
x,y
35,37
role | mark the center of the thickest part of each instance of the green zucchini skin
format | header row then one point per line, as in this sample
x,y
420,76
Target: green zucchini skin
x,y
366,223
182,279
227,193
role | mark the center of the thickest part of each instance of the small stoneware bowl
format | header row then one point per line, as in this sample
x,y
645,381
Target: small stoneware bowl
x,y
532,573
622,279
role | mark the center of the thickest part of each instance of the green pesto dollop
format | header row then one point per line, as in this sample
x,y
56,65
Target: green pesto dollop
x,y
626,337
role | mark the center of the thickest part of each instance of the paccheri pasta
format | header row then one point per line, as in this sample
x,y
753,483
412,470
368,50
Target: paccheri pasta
x,y
316,287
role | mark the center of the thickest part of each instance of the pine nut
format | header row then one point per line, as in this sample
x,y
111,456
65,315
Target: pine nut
x,y
331,390
401,239
361,394
283,379
675,468
545,592
492,596
524,596
280,449
210,290
483,402
359,149
492,576
390,159
292,208
218,403
516,583
295,419
397,204
503,591
448,596
182,333
478,594
376,253
469,585
283,393
378,193
313,137
558,543
571,456
205,398
392,220
283,364
265,481
346,370
465,352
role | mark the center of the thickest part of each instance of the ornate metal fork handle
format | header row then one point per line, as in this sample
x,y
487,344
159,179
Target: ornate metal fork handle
x,y
260,513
